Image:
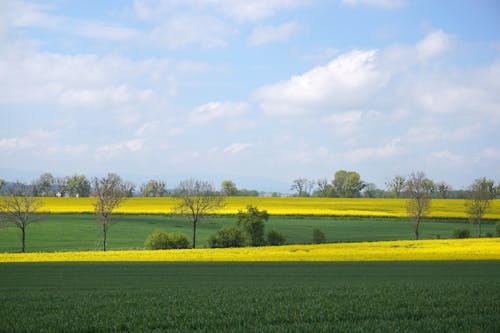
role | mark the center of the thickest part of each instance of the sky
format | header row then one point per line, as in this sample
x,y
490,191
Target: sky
x,y
260,92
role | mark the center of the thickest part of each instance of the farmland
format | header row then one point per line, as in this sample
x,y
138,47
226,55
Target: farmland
x,y
441,208
446,296
79,232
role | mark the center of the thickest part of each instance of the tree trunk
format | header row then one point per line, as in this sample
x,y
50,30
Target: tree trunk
x,y
23,240
104,222
194,233
416,229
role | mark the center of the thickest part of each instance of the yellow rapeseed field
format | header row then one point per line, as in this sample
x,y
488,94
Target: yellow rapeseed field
x,y
456,249
449,208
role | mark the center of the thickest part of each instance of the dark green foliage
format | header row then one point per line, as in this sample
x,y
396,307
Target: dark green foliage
x,y
461,233
227,236
160,240
497,229
275,238
253,222
318,236
250,297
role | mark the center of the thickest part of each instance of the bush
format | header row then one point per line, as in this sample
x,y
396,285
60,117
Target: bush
x,y
160,240
253,221
227,236
497,229
461,233
318,236
275,238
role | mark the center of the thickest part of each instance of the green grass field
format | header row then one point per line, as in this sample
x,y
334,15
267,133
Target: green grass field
x,y
70,232
250,297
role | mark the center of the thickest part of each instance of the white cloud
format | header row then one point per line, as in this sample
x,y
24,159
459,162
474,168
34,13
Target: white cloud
x,y
147,128
14,144
389,150
215,110
237,147
376,3
185,30
345,122
445,157
267,34
134,145
346,82
106,31
241,10
491,153
434,45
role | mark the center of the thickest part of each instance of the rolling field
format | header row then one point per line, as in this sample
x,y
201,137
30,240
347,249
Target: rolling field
x,y
453,249
446,296
449,208
79,232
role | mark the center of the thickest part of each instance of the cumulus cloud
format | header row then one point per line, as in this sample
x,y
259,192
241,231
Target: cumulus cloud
x,y
267,34
346,82
434,44
13,144
446,157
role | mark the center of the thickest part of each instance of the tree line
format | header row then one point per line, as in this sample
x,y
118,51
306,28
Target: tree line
x,y
348,184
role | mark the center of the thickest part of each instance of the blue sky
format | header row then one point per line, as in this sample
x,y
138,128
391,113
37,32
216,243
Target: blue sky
x,y
260,92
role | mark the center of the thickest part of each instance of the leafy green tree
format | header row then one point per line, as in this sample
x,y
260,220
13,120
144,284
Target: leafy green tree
x,y
161,240
154,188
44,184
480,194
318,236
252,222
227,236
275,237
419,200
2,184
196,200
111,193
396,185
228,188
77,186
348,184
19,209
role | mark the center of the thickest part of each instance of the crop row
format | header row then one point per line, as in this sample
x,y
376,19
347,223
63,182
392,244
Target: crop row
x,y
442,208
465,249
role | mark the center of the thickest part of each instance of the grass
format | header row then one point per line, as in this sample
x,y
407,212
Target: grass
x,y
443,208
74,232
250,297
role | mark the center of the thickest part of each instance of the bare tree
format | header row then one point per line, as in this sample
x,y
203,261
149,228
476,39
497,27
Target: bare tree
x,y
324,188
45,183
19,209
154,188
303,186
197,199
396,185
111,193
480,194
419,199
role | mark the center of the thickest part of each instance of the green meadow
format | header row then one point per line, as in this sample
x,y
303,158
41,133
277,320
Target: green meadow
x,y
71,232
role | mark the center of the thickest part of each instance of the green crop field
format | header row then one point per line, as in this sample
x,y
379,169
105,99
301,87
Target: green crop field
x,y
250,297
71,232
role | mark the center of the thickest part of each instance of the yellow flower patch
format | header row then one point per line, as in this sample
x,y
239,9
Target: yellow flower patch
x,y
459,249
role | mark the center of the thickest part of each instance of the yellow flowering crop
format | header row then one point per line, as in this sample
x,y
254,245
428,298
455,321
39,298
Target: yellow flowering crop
x,y
456,249
448,208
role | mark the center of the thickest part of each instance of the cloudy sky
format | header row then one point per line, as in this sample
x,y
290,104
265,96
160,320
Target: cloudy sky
x,y
260,92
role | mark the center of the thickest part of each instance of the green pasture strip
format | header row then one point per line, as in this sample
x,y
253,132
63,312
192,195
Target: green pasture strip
x,y
443,296
79,232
